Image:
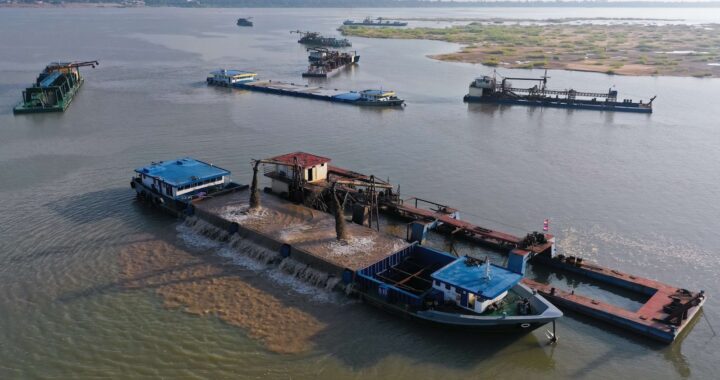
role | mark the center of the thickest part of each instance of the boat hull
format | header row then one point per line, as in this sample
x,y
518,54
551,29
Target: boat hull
x,y
297,91
557,104
499,323
61,106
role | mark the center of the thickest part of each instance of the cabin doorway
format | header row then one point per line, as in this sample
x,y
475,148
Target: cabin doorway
x,y
464,299
310,175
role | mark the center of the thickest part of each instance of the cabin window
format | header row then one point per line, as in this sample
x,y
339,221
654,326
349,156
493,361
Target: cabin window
x,y
168,189
447,286
437,283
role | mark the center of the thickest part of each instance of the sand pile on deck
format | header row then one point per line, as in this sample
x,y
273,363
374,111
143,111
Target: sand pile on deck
x,y
307,229
203,287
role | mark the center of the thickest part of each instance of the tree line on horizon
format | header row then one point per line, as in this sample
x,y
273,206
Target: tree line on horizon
x,y
400,3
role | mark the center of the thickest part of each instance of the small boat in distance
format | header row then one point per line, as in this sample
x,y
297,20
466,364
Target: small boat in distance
x,y
488,89
244,21
54,88
374,22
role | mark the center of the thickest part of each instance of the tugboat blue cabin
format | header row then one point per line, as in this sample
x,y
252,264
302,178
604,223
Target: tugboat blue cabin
x,y
474,285
182,178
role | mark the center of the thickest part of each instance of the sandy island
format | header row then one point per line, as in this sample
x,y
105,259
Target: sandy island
x,y
624,48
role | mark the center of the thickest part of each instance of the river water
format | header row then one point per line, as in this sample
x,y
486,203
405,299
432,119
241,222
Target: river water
x,y
634,192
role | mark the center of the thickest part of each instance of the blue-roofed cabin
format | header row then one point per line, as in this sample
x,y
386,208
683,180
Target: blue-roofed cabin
x,y
474,285
377,95
230,77
435,286
182,178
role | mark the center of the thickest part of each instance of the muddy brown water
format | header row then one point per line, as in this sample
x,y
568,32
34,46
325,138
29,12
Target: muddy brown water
x,y
96,285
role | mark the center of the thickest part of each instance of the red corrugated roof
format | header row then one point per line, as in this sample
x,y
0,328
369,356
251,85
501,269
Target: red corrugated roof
x,y
305,160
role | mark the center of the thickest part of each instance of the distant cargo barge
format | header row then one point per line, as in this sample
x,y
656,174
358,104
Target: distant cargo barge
x,y
487,89
54,88
248,81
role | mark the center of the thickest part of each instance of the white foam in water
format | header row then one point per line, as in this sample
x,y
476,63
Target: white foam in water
x,y
357,246
241,260
240,214
205,229
352,246
296,276
290,233
190,237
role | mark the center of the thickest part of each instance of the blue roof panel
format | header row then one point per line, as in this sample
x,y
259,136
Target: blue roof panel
x,y
48,81
348,96
181,172
231,72
471,277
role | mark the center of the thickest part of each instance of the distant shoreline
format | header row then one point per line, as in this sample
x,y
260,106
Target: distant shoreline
x,y
377,4
65,5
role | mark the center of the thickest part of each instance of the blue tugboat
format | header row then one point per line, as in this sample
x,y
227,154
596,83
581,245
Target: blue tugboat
x,y
433,286
488,89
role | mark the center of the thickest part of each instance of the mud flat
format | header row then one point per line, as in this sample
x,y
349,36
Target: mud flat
x,y
625,49
207,285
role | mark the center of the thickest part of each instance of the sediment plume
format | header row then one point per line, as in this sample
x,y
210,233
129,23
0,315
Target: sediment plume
x,y
208,286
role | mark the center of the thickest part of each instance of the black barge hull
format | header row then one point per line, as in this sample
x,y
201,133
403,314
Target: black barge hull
x,y
577,104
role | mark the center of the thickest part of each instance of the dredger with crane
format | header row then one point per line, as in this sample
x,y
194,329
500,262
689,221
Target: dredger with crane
x,y
54,88
404,277
488,89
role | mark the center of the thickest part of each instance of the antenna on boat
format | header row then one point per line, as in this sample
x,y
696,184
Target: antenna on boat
x,y
544,79
487,276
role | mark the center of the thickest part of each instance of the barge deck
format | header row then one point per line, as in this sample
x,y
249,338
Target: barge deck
x,y
307,234
247,81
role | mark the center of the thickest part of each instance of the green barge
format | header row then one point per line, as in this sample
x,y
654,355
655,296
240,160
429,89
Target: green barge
x,y
54,88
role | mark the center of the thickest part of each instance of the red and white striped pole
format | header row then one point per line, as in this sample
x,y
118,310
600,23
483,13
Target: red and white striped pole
x,y
546,225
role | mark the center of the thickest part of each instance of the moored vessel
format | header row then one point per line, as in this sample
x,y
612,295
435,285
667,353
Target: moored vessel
x,y
487,89
434,286
248,81
54,88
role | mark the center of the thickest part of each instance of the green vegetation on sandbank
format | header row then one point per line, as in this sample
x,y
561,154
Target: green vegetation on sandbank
x,y
625,49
